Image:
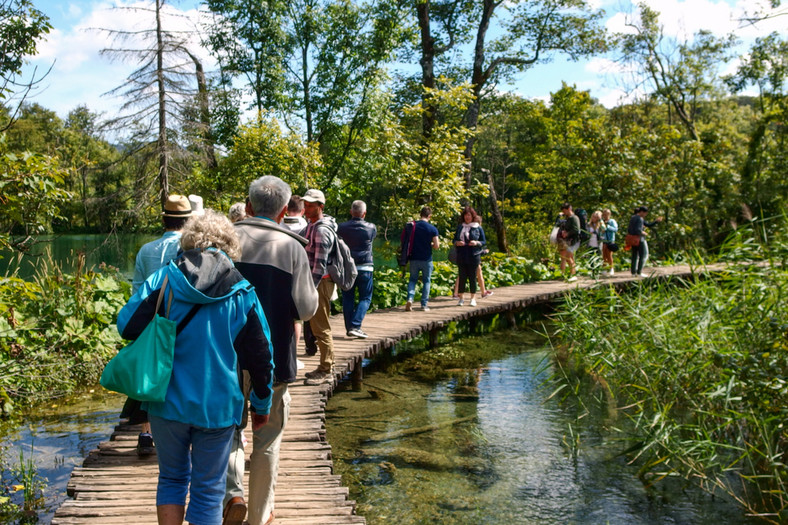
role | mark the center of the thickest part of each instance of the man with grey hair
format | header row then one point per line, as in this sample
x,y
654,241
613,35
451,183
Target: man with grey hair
x,y
358,234
274,261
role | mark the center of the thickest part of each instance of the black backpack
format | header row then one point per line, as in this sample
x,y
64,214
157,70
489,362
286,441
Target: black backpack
x,y
583,216
406,243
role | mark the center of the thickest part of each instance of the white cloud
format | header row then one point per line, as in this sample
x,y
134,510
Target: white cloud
x,y
681,19
80,75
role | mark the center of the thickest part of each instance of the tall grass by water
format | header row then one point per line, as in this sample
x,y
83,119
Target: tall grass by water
x,y
695,371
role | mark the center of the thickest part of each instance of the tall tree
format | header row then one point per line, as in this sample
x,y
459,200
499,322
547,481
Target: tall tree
x,y
22,26
158,90
683,74
763,173
533,31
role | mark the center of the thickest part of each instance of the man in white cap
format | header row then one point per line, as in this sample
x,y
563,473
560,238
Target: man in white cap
x,y
321,234
150,258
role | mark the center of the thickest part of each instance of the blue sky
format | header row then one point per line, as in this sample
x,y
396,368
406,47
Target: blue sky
x,y
80,75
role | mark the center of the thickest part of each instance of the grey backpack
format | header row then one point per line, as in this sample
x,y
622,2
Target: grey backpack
x,y
341,266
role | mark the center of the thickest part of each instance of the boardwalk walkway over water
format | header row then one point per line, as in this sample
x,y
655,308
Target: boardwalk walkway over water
x,y
115,486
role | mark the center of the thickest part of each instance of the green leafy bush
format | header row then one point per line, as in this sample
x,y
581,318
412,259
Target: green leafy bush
x,y
57,332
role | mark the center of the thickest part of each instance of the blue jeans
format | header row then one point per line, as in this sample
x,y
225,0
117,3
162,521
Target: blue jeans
x,y
205,467
638,257
354,313
425,267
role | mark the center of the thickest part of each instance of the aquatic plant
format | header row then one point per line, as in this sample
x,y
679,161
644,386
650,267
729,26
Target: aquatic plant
x,y
22,488
699,368
56,331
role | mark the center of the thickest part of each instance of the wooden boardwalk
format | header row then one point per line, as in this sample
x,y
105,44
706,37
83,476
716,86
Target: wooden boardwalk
x,y
115,486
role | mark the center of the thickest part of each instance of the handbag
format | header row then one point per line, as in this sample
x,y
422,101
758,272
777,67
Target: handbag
x,y
142,370
632,240
453,254
613,247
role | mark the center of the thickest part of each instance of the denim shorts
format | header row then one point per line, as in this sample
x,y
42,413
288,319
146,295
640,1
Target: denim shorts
x,y
196,456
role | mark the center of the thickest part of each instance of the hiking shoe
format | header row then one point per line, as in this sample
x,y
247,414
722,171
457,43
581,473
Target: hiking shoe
x,y
358,332
145,445
473,302
234,512
409,306
319,378
314,373
460,302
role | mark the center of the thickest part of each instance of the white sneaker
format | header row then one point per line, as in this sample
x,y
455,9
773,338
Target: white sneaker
x,y
642,275
425,308
473,302
611,272
460,302
572,279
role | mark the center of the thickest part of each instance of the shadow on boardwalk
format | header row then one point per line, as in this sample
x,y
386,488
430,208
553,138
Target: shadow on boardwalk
x,y
115,486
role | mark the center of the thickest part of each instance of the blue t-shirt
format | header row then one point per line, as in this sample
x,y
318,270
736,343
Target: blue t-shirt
x,y
422,241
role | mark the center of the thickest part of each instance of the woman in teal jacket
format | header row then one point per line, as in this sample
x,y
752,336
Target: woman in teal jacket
x,y
221,330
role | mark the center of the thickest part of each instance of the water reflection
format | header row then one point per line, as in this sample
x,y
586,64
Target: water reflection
x,y
61,436
419,453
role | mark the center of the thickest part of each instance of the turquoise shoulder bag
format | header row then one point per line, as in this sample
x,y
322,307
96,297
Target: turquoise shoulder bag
x,y
142,370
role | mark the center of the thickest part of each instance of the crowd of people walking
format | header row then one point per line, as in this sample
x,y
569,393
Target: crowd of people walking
x,y
599,233
240,287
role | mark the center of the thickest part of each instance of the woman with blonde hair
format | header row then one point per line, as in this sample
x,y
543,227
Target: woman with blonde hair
x,y
221,329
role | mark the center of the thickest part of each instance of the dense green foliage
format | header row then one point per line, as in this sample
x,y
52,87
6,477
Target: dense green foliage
x,y
56,332
698,369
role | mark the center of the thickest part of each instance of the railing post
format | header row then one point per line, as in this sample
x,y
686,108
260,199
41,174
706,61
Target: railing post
x,y
357,377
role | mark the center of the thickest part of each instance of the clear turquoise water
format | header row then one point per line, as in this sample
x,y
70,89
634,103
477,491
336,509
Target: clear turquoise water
x,y
509,460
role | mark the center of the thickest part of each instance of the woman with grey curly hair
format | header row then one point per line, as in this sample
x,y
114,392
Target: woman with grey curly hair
x,y
221,328
211,230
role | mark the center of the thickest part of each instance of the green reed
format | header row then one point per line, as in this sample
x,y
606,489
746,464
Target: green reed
x,y
696,370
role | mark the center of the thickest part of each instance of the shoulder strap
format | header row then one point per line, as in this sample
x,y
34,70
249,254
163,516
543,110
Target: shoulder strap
x,y
161,296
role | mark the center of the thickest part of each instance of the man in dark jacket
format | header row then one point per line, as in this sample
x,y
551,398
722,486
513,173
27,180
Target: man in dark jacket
x,y
274,261
358,234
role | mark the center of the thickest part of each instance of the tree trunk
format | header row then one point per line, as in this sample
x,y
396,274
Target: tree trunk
x,y
478,80
427,62
203,103
161,145
500,229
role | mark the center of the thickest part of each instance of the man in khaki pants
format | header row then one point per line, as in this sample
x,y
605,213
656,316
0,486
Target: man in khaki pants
x,y
322,236
273,260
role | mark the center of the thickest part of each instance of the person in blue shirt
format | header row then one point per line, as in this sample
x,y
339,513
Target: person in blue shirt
x,y
151,257
425,239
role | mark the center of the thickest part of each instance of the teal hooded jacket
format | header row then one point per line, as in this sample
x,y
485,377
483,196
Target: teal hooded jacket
x,y
227,334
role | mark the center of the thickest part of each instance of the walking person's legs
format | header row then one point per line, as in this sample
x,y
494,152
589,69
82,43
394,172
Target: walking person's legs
x,y
364,285
426,277
264,461
349,305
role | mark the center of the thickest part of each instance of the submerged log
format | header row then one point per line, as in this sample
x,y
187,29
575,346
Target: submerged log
x,y
428,460
387,436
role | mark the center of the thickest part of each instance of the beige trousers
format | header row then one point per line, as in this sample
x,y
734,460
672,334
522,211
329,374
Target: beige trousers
x,y
321,328
264,463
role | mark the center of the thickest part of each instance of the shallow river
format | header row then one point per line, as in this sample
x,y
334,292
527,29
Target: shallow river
x,y
484,447
508,459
